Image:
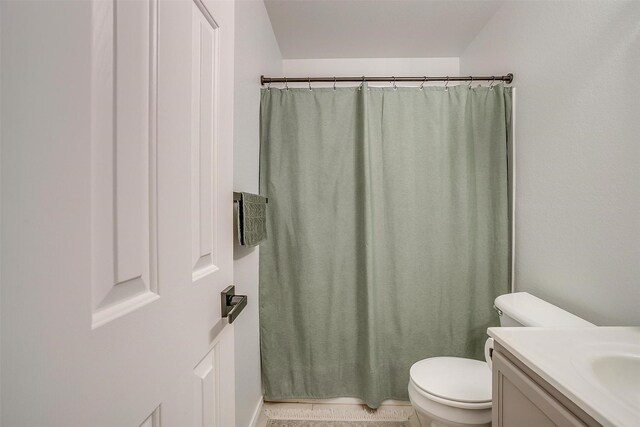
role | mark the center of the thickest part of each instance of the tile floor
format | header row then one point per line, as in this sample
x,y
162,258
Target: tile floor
x,y
262,419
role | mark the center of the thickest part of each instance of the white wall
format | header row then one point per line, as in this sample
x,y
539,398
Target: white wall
x,y
256,53
370,67
578,159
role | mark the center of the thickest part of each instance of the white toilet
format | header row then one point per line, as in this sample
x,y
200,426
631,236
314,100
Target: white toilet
x,y
456,392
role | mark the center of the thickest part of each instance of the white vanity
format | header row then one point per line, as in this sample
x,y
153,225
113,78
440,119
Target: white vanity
x,y
566,377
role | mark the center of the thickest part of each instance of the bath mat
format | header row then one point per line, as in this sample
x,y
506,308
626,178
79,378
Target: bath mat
x,y
338,417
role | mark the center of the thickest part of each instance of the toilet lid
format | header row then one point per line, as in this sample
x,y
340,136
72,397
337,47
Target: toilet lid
x,y
453,378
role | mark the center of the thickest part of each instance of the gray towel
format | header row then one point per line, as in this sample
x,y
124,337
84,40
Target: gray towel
x,y
252,219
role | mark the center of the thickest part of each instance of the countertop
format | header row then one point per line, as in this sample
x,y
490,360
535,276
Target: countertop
x,y
563,357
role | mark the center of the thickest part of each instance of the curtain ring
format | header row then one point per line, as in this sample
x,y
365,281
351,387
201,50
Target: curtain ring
x,y
446,85
423,82
470,82
269,86
334,82
493,80
361,84
394,83
309,78
286,83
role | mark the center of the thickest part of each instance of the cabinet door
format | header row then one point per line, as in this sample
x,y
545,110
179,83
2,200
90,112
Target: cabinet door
x,y
519,402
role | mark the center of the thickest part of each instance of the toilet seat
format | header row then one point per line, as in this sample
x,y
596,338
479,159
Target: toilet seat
x,y
453,381
447,402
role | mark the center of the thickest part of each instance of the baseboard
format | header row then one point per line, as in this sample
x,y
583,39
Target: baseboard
x,y
256,412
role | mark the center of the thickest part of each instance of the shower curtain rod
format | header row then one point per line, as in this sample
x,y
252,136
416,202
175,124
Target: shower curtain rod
x,y
265,80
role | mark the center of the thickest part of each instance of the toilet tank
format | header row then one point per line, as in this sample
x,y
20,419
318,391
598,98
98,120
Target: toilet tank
x,y
524,309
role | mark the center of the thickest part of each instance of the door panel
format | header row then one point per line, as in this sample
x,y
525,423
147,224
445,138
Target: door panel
x,y
211,400
124,206
116,213
153,420
203,140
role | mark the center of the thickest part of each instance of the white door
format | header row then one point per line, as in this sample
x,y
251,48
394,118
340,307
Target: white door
x,y
116,213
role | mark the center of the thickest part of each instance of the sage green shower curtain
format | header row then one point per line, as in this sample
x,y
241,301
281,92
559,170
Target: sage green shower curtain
x,y
388,231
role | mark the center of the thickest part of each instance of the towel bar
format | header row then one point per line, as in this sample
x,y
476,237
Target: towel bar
x,y
238,197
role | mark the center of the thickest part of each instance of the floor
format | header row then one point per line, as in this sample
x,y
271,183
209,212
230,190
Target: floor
x,y
262,419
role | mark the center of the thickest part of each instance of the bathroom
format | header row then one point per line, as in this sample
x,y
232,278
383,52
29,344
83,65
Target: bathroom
x,y
425,178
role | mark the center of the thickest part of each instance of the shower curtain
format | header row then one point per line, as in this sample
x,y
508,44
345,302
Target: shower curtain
x,y
388,231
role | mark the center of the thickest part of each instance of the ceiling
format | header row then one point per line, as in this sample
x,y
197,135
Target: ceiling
x,y
377,28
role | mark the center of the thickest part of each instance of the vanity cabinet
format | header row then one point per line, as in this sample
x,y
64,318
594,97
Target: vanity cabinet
x,y
521,398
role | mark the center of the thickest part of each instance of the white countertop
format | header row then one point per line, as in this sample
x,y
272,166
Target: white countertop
x,y
562,357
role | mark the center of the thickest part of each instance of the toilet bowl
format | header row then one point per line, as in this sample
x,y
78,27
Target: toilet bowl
x,y
451,391
456,392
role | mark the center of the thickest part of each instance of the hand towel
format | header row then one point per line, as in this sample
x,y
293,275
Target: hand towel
x,y
252,219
